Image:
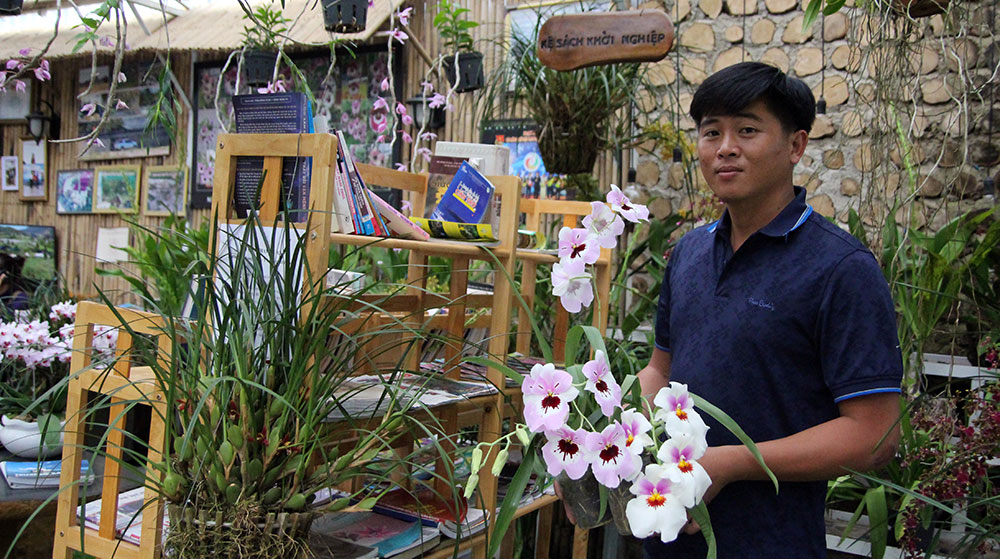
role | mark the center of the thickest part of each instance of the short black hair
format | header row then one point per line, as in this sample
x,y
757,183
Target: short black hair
x,y
732,89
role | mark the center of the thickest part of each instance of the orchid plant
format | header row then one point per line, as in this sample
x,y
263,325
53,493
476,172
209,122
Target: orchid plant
x,y
580,418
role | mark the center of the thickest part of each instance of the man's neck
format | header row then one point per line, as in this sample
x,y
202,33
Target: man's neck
x,y
749,216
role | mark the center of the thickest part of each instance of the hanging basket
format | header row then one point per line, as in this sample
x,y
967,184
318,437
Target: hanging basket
x,y
236,534
10,7
345,16
583,498
920,8
259,66
470,71
567,151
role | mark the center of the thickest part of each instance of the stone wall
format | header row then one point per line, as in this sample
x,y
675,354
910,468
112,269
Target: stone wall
x,y
892,85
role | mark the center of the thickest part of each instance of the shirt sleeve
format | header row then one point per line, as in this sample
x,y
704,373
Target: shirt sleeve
x,y
859,346
662,333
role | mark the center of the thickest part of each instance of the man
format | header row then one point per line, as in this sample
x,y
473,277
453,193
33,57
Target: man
x,y
779,318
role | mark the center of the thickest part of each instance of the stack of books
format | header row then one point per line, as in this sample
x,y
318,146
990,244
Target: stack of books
x,y
369,534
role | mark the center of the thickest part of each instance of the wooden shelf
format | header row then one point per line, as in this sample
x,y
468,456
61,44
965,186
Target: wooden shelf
x,y
447,548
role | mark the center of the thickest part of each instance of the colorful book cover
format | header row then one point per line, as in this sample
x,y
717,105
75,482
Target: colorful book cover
x,y
386,534
441,170
364,211
397,222
467,198
421,503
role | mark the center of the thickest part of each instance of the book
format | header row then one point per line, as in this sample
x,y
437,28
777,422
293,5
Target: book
x,y
369,224
490,159
325,545
423,504
441,170
442,229
388,535
396,221
278,113
474,522
350,206
467,198
128,522
34,475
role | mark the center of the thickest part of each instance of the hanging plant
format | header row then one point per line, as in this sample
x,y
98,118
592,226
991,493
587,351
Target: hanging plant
x,y
463,66
260,42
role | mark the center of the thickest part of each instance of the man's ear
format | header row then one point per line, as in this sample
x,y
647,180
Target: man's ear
x,y
798,145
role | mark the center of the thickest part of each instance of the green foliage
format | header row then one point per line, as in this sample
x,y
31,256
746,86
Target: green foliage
x,y
454,26
168,258
829,7
265,25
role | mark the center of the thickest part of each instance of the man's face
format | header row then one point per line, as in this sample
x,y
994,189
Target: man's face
x,y
749,155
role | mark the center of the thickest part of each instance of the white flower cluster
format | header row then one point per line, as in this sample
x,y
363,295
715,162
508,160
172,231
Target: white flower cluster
x,y
34,344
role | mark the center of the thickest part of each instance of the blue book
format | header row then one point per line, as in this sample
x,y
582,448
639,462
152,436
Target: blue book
x,y
29,475
467,198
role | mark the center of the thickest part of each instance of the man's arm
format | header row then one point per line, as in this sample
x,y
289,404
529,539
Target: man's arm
x,y
656,374
857,440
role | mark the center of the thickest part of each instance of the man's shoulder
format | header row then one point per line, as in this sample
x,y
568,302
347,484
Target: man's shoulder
x,y
833,242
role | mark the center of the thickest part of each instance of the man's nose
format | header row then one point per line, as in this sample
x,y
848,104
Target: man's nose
x,y
728,146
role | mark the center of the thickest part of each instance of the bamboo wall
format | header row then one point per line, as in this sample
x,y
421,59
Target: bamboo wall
x,y
76,235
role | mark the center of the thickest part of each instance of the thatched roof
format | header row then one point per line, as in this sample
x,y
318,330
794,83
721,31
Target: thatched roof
x,y
214,26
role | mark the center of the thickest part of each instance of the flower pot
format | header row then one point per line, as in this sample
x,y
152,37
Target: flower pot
x,y
583,498
196,533
618,499
920,8
24,438
259,66
470,71
10,7
345,16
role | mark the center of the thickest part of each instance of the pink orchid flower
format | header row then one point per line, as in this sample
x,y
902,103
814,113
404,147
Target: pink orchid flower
x,y
604,224
565,452
602,384
675,409
577,243
679,456
399,35
571,283
406,137
120,105
384,84
380,104
636,427
89,108
611,462
547,393
621,204
404,16
437,100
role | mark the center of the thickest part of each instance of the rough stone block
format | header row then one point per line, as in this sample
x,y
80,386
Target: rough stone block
x,y
822,128
823,205
847,58
794,34
731,56
850,187
834,90
852,125
647,173
833,159
693,70
835,27
864,158
780,6
741,7
776,57
711,8
934,91
734,34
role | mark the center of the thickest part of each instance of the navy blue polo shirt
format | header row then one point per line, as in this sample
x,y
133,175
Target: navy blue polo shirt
x,y
798,319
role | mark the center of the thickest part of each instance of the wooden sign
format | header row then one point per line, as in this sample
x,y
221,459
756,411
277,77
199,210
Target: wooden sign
x,y
568,42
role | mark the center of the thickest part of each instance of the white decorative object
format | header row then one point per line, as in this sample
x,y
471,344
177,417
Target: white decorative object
x,y
24,439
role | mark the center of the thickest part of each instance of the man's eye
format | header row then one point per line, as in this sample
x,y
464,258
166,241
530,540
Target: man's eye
x,y
748,130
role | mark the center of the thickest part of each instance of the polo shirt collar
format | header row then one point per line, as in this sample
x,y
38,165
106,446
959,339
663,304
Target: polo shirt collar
x,y
789,219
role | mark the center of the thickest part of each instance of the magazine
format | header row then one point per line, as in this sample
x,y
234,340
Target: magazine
x,y
34,475
128,524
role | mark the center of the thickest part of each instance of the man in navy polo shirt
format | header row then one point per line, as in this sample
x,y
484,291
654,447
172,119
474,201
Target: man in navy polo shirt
x,y
781,319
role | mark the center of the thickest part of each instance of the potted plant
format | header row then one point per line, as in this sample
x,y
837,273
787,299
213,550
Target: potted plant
x,y
35,352
463,66
264,415
10,7
579,113
345,16
265,25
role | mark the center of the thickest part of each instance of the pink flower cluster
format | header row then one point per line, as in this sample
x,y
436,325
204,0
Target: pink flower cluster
x,y
14,66
42,344
582,246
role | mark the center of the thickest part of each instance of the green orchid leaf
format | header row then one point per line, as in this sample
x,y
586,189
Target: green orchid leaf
x,y
734,428
700,515
512,499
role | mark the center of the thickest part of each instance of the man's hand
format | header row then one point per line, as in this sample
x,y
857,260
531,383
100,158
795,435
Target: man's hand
x,y
569,513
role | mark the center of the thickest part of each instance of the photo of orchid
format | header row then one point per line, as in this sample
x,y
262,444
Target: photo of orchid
x,y
75,191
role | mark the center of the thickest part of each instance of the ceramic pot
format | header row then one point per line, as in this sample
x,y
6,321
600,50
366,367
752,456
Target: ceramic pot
x,y
583,498
24,438
345,16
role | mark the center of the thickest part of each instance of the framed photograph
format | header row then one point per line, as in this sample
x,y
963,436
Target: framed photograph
x,y
8,172
165,191
116,189
75,191
33,184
